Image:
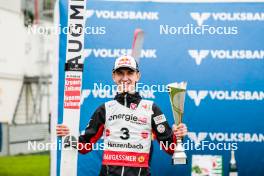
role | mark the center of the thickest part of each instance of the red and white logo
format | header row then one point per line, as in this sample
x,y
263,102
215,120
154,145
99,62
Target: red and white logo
x,y
141,159
161,128
72,94
159,119
145,106
144,135
133,106
107,132
142,120
121,158
124,61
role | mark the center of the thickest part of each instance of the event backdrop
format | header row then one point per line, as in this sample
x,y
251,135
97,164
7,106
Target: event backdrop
x,y
224,71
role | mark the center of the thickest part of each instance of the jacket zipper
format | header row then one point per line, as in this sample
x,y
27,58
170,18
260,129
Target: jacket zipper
x,y
125,100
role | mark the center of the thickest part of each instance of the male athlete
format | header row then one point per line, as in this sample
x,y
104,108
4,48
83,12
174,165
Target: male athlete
x,y
127,124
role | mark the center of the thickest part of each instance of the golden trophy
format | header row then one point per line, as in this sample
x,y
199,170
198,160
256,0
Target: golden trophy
x,y
177,97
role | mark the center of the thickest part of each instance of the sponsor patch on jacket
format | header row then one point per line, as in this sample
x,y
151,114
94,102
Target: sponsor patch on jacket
x,y
159,119
161,128
133,106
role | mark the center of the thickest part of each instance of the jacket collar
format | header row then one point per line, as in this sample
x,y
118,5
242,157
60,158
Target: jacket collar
x,y
130,98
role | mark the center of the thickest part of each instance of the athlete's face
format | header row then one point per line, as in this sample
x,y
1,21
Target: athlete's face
x,y
126,79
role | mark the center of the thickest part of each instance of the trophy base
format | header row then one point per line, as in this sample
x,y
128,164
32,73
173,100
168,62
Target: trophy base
x,y
179,157
178,161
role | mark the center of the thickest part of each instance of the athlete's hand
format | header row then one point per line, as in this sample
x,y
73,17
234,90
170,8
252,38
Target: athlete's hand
x,y
62,130
180,130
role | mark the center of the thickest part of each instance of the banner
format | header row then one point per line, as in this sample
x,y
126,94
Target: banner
x,y
216,47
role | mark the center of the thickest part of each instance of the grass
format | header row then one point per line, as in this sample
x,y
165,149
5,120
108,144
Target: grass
x,y
25,165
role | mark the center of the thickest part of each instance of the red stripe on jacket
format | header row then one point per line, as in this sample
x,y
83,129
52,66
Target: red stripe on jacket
x,y
84,148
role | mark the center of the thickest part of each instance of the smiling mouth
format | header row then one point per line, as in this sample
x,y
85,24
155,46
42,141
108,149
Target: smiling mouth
x,y
125,83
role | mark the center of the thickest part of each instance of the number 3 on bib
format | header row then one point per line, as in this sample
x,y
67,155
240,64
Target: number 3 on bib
x,y
125,135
